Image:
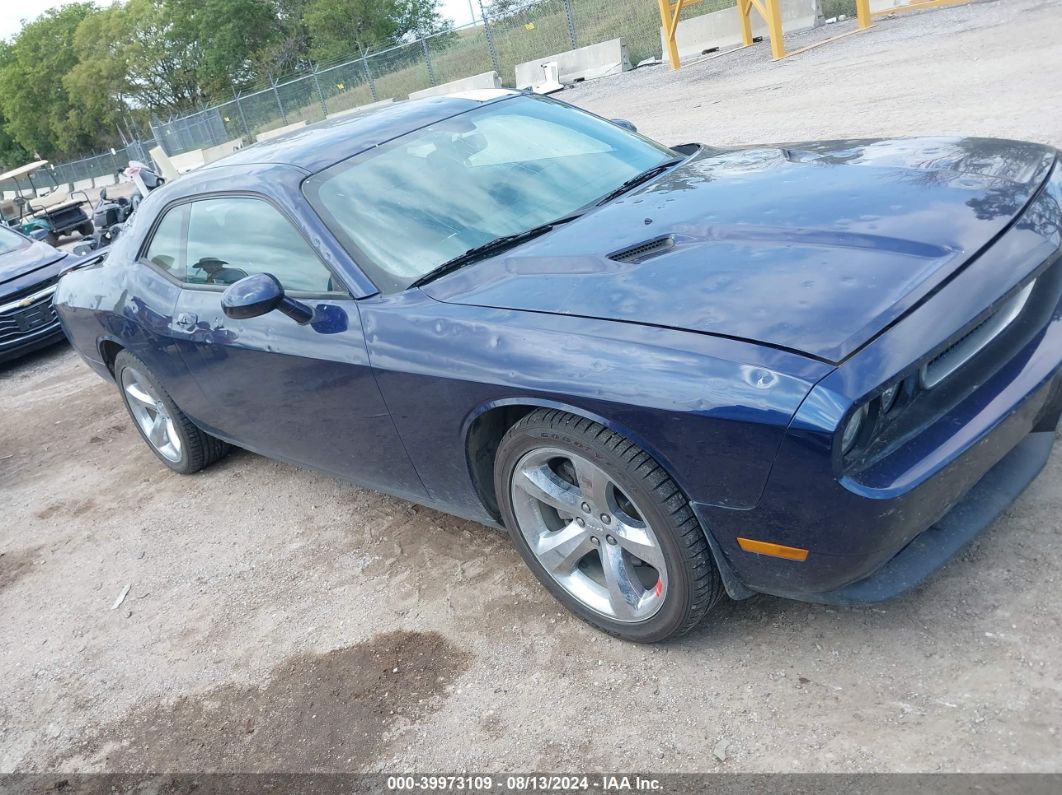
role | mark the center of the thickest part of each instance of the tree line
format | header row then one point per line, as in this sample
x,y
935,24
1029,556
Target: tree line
x,y
80,78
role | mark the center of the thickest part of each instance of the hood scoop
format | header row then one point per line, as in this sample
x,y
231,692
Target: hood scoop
x,y
645,250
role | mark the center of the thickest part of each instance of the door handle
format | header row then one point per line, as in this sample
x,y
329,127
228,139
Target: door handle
x,y
186,320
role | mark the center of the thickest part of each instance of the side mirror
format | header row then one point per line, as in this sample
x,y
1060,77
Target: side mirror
x,y
259,294
103,194
626,125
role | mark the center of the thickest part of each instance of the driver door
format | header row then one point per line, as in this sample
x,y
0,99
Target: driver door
x,y
305,394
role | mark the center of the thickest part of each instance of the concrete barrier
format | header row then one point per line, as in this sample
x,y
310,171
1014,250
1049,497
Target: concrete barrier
x,y
721,30
188,161
484,80
881,6
361,108
163,163
279,131
212,153
83,184
585,63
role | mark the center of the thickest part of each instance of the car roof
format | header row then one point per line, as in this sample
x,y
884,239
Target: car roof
x,y
317,146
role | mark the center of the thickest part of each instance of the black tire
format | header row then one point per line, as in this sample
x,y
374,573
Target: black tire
x,y
51,239
694,584
198,448
86,229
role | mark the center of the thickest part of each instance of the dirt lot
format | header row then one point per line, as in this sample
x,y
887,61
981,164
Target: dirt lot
x,y
281,620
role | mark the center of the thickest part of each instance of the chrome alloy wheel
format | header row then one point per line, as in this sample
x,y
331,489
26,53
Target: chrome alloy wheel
x,y
151,415
589,535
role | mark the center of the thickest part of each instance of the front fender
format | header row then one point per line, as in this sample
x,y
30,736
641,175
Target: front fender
x,y
532,402
712,411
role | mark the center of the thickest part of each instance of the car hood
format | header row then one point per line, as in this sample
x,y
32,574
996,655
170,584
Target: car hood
x,y
814,248
17,268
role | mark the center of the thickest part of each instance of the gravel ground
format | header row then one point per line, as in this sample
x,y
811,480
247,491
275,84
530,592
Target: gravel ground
x,y
280,620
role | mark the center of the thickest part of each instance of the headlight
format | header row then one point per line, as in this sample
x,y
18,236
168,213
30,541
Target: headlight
x,y
852,429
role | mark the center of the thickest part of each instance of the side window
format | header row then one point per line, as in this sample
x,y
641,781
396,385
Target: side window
x,y
166,248
234,236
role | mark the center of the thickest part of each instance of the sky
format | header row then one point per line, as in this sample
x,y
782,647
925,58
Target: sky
x,y
12,12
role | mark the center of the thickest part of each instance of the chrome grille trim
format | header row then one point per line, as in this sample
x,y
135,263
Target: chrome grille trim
x,y
28,300
968,346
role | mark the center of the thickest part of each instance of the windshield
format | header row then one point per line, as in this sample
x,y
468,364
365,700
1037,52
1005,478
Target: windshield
x,y
404,208
10,241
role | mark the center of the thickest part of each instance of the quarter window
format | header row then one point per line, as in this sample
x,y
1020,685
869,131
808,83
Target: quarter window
x,y
166,249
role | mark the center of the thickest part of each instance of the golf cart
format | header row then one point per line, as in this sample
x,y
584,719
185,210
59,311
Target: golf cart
x,y
27,214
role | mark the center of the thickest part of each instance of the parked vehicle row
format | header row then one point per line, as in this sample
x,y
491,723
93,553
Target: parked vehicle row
x,y
30,266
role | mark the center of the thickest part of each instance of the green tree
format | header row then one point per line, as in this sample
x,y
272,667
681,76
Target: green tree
x,y
40,114
97,80
172,55
11,153
228,34
341,28
289,49
73,77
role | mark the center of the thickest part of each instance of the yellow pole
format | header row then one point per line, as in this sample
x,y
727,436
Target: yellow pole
x,y
863,13
774,27
668,24
744,9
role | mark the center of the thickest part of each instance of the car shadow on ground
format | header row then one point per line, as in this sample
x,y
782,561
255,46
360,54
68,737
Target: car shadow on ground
x,y
42,357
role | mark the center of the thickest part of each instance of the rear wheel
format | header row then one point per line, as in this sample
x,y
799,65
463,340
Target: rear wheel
x,y
86,229
170,434
51,239
604,527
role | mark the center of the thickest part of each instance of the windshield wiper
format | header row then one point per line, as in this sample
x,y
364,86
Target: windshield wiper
x,y
489,249
638,179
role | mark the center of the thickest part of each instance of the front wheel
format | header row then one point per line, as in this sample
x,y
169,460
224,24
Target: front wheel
x,y
168,431
604,527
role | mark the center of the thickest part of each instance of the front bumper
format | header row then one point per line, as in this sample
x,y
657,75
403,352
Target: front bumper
x,y
907,537
874,532
930,550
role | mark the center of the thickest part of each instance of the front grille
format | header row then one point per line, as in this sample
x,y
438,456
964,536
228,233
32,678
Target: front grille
x,y
957,371
970,344
21,321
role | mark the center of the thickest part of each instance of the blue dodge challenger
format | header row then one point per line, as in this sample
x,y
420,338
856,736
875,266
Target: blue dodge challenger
x,y
811,370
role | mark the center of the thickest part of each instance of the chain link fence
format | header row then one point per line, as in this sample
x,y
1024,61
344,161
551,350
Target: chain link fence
x,y
507,32
101,165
